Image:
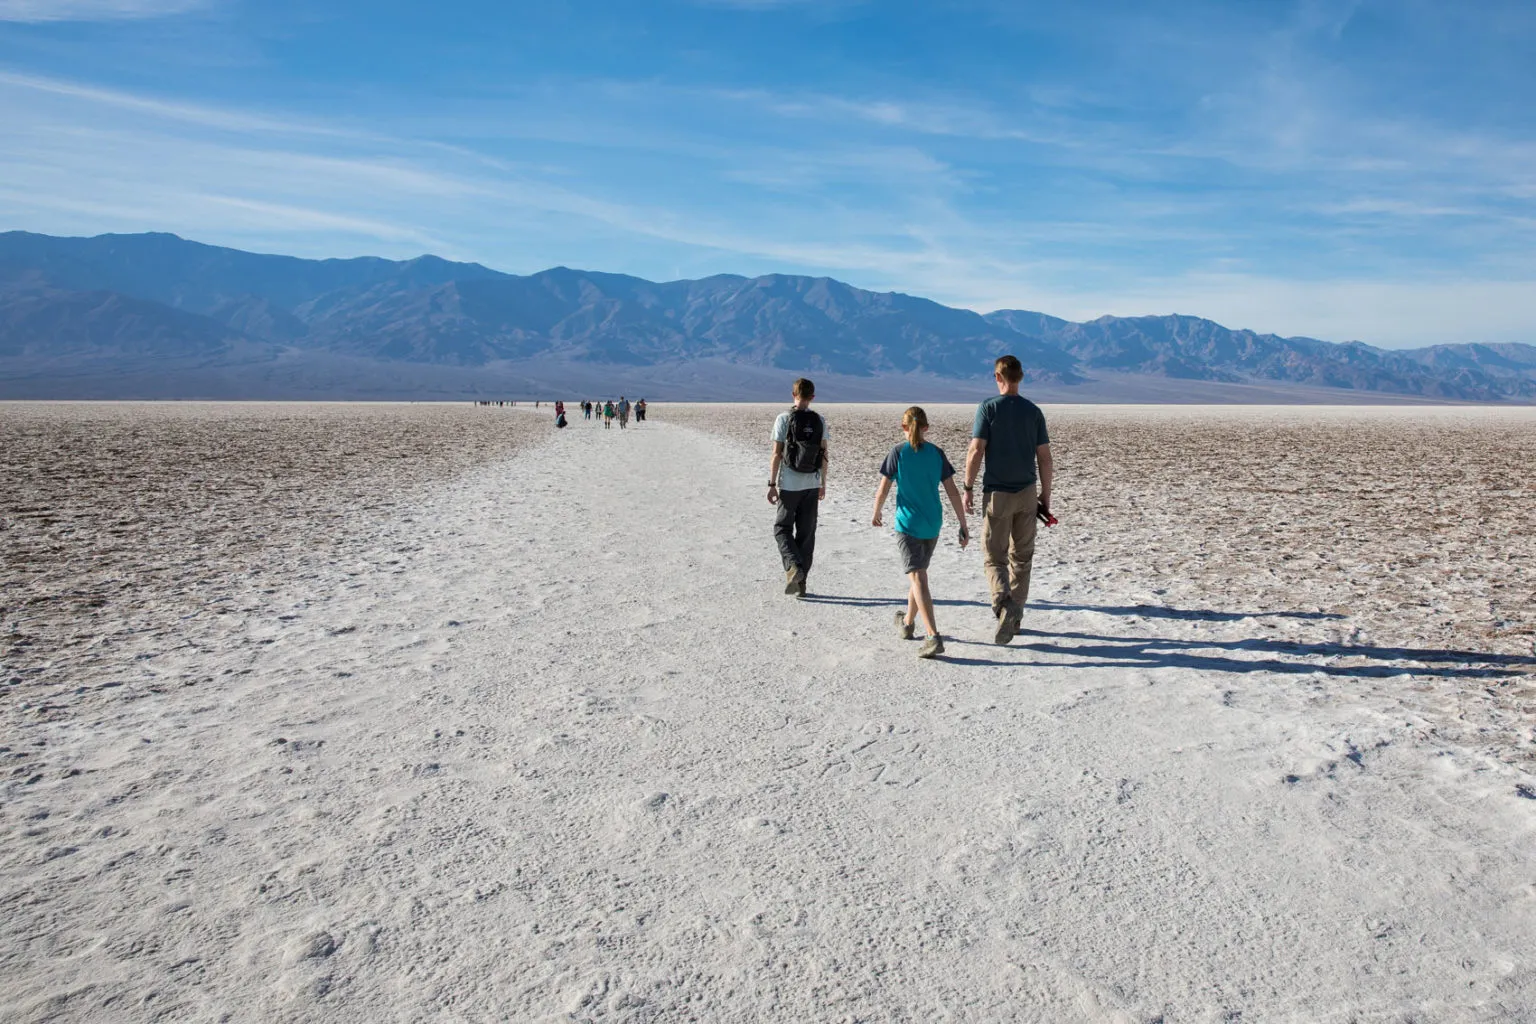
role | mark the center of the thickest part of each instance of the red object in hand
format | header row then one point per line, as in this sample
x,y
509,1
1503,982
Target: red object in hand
x,y
1043,513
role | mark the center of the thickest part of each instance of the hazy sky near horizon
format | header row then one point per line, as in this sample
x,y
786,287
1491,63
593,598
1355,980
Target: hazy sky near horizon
x,y
1347,170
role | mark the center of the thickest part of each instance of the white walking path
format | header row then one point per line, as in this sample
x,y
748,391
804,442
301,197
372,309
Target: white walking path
x,y
563,750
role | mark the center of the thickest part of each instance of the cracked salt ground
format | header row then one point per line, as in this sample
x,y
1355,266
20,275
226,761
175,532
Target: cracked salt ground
x,y
577,758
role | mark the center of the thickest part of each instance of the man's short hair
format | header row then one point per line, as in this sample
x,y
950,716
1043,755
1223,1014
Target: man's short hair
x,y
804,388
1009,368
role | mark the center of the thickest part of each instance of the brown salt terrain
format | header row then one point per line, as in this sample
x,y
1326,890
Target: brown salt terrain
x,y
1395,534
129,530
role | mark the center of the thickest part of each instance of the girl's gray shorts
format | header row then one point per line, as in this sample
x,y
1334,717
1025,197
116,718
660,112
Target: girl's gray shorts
x,y
916,553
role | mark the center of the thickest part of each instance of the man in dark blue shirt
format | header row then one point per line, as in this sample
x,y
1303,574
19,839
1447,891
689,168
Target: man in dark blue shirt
x,y
1010,436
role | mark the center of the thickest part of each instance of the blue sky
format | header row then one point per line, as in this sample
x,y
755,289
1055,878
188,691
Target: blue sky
x,y
1348,170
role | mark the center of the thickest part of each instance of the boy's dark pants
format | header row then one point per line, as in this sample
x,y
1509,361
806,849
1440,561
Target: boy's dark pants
x,y
794,527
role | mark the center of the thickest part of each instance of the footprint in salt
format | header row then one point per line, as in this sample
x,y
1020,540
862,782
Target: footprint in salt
x,y
650,724
318,945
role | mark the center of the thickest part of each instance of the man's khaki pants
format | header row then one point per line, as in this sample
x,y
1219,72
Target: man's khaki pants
x,y
1008,537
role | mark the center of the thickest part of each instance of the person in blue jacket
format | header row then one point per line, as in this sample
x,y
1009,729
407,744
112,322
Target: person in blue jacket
x,y
918,469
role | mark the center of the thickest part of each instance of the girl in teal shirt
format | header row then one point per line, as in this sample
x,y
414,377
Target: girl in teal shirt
x,y
918,469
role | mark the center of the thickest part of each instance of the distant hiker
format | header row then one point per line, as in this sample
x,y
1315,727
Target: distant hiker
x,y
640,411
623,408
607,415
797,481
918,469
1010,436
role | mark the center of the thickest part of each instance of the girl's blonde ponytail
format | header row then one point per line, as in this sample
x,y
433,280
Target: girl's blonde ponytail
x,y
915,417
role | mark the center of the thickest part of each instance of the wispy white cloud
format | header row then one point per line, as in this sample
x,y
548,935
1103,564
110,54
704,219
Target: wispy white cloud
x,y
768,5
1271,165
284,216
1397,208
863,166
1279,125
222,118
36,11
959,120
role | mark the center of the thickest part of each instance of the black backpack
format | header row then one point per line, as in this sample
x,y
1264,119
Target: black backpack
x,y
802,447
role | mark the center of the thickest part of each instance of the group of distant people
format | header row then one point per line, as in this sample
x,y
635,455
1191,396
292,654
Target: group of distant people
x,y
1008,437
608,411
604,412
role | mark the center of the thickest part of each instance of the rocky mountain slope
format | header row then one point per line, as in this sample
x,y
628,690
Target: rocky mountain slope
x,y
1191,348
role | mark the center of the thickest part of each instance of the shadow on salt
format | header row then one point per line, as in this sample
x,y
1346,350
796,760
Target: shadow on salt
x,y
1158,652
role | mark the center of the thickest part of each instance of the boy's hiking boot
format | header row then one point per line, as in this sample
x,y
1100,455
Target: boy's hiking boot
x,y
932,647
903,626
1008,622
792,581
800,584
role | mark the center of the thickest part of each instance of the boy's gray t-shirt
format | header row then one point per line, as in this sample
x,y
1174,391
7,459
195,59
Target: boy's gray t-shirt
x,y
1013,428
791,479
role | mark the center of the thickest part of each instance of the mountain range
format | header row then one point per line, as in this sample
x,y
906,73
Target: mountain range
x,y
155,315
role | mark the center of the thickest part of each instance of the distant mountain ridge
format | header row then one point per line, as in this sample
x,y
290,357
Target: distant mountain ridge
x,y
1191,348
156,303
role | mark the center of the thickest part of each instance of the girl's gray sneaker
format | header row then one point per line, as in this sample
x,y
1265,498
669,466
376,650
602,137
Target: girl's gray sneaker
x,y
932,647
903,626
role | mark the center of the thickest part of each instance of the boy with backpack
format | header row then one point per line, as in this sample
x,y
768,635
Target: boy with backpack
x,y
797,481
918,469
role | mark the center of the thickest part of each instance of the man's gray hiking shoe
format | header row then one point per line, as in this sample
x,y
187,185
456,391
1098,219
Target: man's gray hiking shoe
x,y
903,626
932,647
1008,622
792,579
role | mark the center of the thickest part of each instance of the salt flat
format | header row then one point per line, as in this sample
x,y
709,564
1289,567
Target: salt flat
x,y
539,738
